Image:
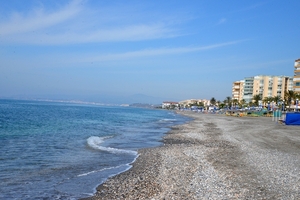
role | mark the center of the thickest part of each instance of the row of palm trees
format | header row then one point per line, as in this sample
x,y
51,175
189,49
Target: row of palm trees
x,y
290,97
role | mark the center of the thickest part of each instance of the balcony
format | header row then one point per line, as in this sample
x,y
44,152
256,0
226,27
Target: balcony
x,y
297,79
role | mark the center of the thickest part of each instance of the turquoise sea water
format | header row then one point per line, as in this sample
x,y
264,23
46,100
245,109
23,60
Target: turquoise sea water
x,y
63,151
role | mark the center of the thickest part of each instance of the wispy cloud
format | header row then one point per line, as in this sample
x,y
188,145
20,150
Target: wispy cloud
x,y
65,26
253,65
38,19
222,21
127,33
153,52
254,6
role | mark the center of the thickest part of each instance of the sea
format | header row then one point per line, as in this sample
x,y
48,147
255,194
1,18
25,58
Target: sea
x,y
58,150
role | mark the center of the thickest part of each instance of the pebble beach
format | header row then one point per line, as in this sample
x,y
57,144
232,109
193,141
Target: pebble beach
x,y
214,157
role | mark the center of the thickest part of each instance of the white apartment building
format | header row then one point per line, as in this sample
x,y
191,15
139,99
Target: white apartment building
x,y
195,101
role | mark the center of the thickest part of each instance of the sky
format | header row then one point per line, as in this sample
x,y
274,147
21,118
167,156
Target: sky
x,y
169,50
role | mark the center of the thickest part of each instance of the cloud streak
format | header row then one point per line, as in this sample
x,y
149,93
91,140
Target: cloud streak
x,y
154,52
222,21
128,33
38,19
65,26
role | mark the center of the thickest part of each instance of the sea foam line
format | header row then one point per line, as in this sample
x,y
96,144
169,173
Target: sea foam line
x,y
108,168
95,142
128,165
167,120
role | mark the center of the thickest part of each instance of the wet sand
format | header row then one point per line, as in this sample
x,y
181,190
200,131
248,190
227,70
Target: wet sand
x,y
215,157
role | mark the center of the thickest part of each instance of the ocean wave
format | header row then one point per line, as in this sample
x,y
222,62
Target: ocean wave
x,y
95,142
109,168
167,120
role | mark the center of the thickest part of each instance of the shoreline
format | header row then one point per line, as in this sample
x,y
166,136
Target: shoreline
x,y
214,157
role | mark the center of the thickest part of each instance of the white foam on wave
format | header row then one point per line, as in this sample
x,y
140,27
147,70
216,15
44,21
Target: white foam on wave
x,y
167,120
95,171
95,142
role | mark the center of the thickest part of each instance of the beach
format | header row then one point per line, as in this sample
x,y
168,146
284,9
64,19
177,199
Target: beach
x,y
215,157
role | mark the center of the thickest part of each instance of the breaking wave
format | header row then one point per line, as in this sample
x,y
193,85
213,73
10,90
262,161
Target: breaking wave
x,y
95,143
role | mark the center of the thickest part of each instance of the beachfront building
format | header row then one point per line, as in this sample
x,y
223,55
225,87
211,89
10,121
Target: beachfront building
x,y
169,105
193,102
266,86
248,89
238,90
296,86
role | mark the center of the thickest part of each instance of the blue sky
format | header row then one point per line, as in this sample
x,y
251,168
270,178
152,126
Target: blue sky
x,y
174,50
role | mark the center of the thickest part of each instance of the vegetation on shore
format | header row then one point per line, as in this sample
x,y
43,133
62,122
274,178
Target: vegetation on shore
x,y
290,98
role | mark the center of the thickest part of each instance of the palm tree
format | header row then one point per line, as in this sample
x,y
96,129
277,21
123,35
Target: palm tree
x,y
289,96
297,95
227,101
221,105
213,101
267,99
251,104
256,98
243,102
235,102
277,99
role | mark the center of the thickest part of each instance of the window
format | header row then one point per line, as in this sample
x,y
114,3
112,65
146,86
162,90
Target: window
x,y
297,83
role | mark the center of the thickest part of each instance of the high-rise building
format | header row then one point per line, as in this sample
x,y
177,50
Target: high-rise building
x,y
238,90
297,76
266,86
248,89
